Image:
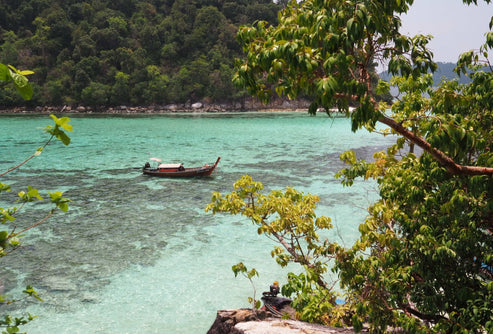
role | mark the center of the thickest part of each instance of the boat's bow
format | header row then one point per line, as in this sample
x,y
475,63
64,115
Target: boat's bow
x,y
209,172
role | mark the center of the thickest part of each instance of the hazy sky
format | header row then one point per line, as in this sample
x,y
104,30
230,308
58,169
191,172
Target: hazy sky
x,y
455,26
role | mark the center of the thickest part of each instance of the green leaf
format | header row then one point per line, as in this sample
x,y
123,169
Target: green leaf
x,y
29,196
33,193
31,292
62,122
26,72
252,273
12,330
489,38
14,241
258,304
349,26
60,201
19,80
21,83
383,87
63,138
4,187
4,73
239,268
26,91
312,110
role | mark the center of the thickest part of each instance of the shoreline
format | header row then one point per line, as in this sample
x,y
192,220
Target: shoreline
x,y
11,112
198,107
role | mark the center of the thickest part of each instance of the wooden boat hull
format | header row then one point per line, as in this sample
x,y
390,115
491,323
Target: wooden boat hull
x,y
185,172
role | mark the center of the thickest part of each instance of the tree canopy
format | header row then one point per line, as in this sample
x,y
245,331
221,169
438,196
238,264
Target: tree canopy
x,y
424,260
326,50
100,52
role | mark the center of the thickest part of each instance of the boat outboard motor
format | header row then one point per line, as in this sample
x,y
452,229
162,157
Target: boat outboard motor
x,y
274,289
276,305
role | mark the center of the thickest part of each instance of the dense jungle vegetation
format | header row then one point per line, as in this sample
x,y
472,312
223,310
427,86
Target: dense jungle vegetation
x,y
101,52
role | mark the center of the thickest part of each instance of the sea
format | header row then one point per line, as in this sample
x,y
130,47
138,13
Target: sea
x,y
139,254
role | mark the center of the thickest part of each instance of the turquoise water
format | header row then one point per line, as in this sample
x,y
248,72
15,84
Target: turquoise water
x,y
137,254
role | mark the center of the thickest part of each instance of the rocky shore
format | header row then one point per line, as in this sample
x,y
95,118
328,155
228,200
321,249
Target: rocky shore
x,y
248,321
243,106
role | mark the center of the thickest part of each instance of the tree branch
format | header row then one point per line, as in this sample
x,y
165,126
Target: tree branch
x,y
441,157
451,166
32,156
298,258
32,226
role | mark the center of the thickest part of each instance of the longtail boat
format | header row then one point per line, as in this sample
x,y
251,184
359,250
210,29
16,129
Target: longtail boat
x,y
177,169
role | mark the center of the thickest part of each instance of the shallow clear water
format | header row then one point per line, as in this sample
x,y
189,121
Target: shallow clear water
x,y
138,254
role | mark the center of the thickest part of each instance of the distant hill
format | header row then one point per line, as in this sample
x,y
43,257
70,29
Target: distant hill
x,y
444,70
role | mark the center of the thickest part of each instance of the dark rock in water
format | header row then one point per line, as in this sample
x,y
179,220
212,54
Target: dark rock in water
x,y
247,321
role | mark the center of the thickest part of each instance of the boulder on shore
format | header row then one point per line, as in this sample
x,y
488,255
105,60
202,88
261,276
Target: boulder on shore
x,y
226,320
248,321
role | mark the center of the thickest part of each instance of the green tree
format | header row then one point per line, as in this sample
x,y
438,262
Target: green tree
x,y
288,217
295,229
326,50
154,88
425,257
40,39
191,82
221,80
120,92
85,46
235,12
150,40
9,48
118,24
59,34
266,11
209,23
95,94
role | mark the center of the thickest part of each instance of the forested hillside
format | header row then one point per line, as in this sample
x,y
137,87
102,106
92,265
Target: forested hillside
x,y
114,52
444,70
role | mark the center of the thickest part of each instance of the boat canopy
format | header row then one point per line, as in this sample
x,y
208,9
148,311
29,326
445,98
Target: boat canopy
x,y
170,165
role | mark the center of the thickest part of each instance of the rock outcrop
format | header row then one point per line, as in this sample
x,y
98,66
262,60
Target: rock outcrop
x,y
226,320
247,321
